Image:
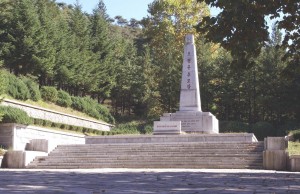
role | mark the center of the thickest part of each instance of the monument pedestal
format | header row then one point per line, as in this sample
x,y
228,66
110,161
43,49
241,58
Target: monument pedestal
x,y
194,122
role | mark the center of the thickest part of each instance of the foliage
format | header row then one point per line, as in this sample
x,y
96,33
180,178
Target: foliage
x,y
2,151
165,27
92,108
14,115
233,126
241,26
49,93
33,88
17,88
3,81
134,126
295,135
63,99
263,129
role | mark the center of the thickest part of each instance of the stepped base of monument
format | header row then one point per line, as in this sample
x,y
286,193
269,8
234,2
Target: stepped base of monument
x,y
194,121
209,138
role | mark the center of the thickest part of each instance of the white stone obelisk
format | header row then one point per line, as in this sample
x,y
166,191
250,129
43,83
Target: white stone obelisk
x,y
189,118
190,92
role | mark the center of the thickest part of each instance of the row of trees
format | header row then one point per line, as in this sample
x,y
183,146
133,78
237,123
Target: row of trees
x,y
137,68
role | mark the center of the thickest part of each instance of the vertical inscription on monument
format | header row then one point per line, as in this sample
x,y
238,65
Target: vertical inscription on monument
x,y
190,93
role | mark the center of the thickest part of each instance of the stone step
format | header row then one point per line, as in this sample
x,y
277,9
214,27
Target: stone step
x,y
122,165
105,152
219,145
154,155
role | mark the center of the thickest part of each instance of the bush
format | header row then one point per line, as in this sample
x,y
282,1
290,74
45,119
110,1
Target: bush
x,y
263,129
47,123
295,135
33,88
17,88
233,126
3,81
148,129
63,99
78,103
49,93
15,115
38,121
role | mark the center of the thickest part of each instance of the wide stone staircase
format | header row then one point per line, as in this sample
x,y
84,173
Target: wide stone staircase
x,y
154,155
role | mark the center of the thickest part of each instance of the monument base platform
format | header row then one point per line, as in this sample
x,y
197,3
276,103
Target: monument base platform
x,y
205,138
194,121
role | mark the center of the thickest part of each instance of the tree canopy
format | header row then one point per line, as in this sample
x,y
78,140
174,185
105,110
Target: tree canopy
x,y
242,27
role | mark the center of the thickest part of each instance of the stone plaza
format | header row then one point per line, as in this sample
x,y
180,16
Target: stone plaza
x,y
163,181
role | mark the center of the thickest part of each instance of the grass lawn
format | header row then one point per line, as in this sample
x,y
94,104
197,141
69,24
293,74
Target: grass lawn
x,y
294,148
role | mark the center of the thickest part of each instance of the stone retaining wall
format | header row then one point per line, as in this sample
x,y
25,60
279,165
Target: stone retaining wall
x,y
58,117
16,136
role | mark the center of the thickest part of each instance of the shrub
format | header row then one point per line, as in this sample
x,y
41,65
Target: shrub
x,y
3,81
47,123
295,135
38,121
17,88
33,88
15,115
49,93
78,103
148,129
63,99
263,129
63,126
56,125
233,126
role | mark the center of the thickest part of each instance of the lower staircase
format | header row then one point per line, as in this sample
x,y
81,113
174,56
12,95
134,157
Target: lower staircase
x,y
154,155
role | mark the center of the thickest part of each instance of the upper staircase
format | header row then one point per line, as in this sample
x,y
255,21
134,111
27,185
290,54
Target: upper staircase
x,y
192,155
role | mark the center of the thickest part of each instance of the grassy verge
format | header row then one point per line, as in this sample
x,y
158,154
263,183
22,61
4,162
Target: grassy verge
x,y
53,107
294,148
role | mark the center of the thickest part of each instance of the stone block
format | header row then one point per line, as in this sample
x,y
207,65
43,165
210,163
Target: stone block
x,y
275,160
19,159
275,143
167,127
294,163
41,145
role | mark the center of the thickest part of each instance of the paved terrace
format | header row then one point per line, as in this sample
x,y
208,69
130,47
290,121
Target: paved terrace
x,y
123,181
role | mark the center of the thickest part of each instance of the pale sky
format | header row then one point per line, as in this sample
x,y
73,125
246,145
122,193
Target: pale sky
x,y
126,8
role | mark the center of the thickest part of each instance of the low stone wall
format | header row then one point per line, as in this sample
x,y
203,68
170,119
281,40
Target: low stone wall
x,y
16,136
58,117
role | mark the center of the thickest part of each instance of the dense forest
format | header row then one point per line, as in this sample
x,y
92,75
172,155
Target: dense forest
x,y
134,67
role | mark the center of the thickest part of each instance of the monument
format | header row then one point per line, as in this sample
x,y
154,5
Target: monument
x,y
190,115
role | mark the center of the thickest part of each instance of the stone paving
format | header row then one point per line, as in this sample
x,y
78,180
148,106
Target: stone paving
x,y
124,181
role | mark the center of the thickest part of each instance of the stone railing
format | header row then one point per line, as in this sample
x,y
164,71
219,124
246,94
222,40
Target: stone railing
x,y
58,117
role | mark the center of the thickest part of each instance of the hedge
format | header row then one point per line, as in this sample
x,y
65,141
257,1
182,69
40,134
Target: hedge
x,y
15,115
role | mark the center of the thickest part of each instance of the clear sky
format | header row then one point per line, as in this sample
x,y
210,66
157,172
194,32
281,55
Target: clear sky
x,y
126,8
